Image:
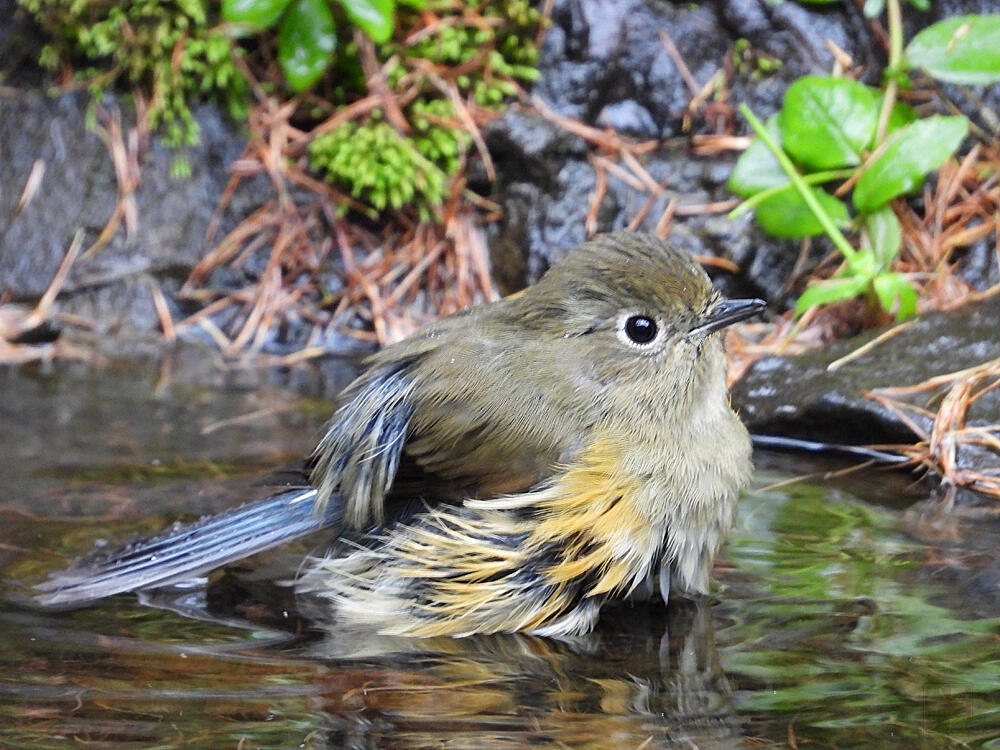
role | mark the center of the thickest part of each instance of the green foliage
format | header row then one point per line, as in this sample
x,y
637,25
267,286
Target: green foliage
x,y
168,48
306,42
417,168
387,169
748,61
307,39
374,162
912,152
964,49
831,129
172,51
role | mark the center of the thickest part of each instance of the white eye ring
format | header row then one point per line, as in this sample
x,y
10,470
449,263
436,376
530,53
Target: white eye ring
x,y
640,331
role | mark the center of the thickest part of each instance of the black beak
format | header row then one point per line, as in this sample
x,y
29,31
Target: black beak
x,y
727,312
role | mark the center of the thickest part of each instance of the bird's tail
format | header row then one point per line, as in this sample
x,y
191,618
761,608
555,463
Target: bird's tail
x,y
187,551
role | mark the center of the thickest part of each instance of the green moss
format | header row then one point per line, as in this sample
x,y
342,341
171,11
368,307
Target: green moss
x,y
388,170
378,165
168,49
174,54
748,61
511,50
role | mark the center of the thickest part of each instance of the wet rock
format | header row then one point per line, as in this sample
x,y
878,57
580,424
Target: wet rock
x,y
978,263
607,59
19,46
548,185
79,190
801,397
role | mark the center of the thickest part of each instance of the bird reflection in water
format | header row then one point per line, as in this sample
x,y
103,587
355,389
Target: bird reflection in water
x,y
646,681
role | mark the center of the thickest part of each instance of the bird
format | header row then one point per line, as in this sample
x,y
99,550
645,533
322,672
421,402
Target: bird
x,y
509,468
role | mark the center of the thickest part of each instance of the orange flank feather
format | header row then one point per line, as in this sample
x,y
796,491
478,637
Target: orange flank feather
x,y
515,563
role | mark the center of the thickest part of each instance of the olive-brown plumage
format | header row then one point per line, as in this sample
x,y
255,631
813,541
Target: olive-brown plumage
x,y
513,466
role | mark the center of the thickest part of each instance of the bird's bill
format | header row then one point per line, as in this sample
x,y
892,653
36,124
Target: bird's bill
x,y
727,312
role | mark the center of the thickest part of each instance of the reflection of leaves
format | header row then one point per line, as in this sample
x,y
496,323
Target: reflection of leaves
x,y
844,639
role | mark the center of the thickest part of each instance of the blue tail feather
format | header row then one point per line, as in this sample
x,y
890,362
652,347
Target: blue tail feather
x,y
190,550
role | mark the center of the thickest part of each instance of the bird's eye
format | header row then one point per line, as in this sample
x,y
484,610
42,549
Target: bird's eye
x,y
641,329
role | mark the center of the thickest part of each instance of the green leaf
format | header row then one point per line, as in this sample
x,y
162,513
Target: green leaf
x,y
915,150
306,42
902,114
891,287
923,5
194,9
261,13
885,235
831,290
374,16
787,215
828,122
863,264
962,49
757,169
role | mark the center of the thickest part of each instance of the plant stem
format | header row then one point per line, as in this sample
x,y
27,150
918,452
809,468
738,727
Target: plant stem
x,y
850,254
815,178
893,70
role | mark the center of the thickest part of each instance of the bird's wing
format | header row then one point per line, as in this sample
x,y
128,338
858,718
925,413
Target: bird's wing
x,y
359,455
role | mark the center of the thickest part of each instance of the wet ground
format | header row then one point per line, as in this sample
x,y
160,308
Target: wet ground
x,y
839,619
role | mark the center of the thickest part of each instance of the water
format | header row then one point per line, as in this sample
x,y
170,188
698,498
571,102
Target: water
x,y
839,618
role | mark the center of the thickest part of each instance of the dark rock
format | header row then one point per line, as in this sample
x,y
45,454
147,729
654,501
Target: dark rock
x,y
800,397
79,190
548,186
607,59
20,43
978,263
606,63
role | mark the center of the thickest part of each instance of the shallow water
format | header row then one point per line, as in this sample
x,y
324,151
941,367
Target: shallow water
x,y
839,619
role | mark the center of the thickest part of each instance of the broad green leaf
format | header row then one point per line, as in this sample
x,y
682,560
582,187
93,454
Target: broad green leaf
x,y
418,4
924,5
915,150
757,169
306,42
787,215
885,235
262,13
828,122
961,49
890,287
374,16
831,290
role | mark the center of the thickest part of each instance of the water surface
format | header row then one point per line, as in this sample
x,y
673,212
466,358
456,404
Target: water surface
x,y
838,619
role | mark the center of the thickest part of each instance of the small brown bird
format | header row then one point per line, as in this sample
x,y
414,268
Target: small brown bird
x,y
510,467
